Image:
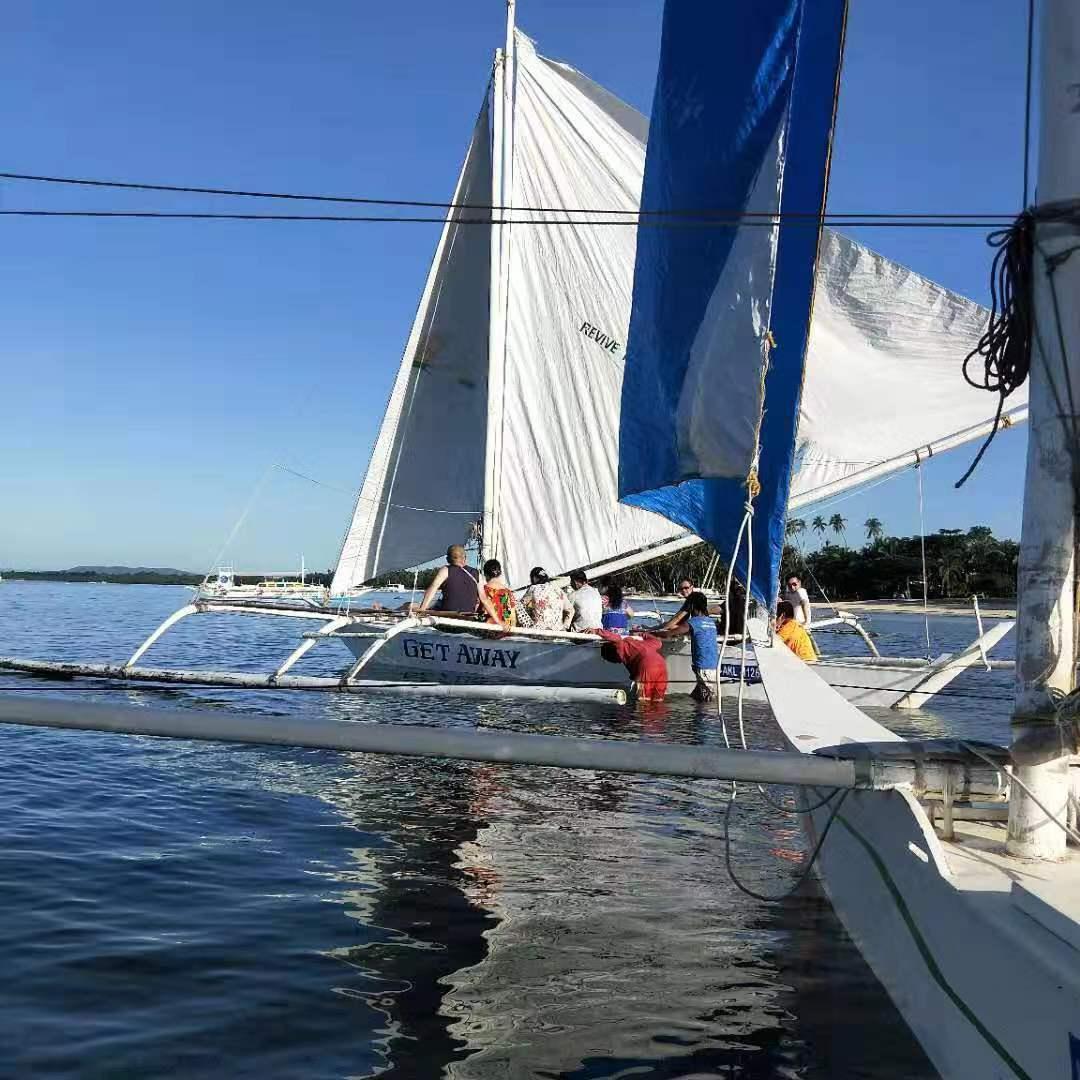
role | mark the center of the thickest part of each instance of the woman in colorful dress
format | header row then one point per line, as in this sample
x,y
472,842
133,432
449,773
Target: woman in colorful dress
x,y
502,596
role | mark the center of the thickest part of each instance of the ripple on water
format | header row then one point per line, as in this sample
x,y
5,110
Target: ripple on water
x,y
201,910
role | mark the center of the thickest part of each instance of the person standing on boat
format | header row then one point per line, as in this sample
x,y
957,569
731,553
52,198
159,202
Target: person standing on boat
x,y
545,603
799,599
461,591
793,634
588,614
617,613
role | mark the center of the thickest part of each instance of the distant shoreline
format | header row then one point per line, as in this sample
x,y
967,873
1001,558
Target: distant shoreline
x,y
89,577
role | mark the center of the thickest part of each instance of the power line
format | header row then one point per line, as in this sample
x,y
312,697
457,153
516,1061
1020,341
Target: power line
x,y
427,204
686,223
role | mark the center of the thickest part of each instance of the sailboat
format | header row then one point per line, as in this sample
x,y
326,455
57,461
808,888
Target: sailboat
x,y
503,424
965,904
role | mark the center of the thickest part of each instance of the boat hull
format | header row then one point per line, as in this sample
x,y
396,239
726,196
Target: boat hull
x,y
988,989
430,654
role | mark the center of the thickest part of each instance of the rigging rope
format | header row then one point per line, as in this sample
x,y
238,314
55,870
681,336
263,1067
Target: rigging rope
x,y
922,549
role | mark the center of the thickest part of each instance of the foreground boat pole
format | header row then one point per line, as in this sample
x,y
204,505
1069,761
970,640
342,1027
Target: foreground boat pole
x,y
1046,623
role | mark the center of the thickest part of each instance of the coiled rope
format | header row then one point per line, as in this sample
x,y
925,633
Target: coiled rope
x,y
1005,349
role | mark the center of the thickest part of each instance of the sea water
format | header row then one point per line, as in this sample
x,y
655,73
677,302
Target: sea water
x,y
190,909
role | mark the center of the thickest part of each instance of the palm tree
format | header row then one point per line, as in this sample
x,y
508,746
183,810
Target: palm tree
x,y
874,529
795,527
819,525
838,525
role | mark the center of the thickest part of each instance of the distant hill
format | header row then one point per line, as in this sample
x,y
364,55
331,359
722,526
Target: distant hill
x,y
128,571
120,575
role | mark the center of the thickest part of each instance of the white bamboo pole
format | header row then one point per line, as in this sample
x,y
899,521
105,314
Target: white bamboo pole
x,y
252,681
172,620
1046,632
764,766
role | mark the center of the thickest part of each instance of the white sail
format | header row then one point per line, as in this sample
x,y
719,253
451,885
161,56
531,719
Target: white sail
x,y
883,379
425,482
567,314
506,404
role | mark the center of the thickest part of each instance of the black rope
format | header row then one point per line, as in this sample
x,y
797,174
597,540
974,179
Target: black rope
x,y
808,863
1005,349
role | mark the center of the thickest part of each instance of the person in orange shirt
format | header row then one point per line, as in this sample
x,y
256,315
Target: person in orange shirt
x,y
792,634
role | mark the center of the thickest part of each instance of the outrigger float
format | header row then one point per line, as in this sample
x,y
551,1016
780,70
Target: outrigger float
x,y
458,657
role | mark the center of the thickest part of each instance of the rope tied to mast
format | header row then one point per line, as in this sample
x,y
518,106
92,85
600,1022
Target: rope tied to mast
x,y
1005,349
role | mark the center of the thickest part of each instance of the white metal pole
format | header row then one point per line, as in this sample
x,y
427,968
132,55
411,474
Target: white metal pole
x,y
766,766
496,325
1046,631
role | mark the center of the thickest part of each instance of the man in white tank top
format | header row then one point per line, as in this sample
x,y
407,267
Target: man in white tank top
x,y
799,599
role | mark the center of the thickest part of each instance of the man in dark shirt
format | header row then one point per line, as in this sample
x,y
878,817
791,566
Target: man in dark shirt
x,y
460,588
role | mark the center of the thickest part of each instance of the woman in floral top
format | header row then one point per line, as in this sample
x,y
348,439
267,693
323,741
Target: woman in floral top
x,y
502,596
545,603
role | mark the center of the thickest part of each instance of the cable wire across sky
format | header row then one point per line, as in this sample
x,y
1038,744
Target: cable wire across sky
x,y
681,217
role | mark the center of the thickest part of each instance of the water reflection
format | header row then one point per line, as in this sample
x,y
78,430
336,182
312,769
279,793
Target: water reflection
x,y
426,919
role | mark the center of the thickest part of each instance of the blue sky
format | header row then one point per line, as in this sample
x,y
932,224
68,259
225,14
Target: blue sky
x,y
154,371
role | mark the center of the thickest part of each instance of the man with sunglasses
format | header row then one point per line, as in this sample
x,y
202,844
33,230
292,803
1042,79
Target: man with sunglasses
x,y
799,599
686,590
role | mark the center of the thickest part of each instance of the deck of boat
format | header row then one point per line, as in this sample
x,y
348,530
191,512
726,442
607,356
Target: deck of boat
x,y
1038,901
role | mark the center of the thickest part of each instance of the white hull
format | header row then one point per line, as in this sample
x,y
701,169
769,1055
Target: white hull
x,y
429,654
958,934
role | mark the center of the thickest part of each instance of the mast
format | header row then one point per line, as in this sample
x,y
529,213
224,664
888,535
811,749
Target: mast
x,y
1046,579
502,187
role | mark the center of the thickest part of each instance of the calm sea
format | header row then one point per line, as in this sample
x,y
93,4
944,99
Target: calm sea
x,y
198,910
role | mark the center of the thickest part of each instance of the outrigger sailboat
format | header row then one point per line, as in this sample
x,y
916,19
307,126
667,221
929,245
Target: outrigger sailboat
x,y
503,421
973,926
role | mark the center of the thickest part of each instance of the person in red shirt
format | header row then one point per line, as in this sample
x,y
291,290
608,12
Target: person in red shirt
x,y
640,655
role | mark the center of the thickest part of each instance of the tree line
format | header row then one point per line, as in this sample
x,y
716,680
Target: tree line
x,y
958,563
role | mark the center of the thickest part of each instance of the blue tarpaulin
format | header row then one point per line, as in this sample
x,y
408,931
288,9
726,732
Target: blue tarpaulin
x,y
741,123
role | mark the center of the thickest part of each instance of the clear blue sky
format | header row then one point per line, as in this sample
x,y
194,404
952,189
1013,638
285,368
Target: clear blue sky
x,y
152,371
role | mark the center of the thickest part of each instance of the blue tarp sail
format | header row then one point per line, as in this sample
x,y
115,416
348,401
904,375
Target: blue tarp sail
x,y
741,125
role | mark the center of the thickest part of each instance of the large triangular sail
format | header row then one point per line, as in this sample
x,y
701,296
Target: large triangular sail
x,y
506,408
425,481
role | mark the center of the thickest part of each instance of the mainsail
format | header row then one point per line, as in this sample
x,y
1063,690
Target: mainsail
x,y
506,407
506,404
